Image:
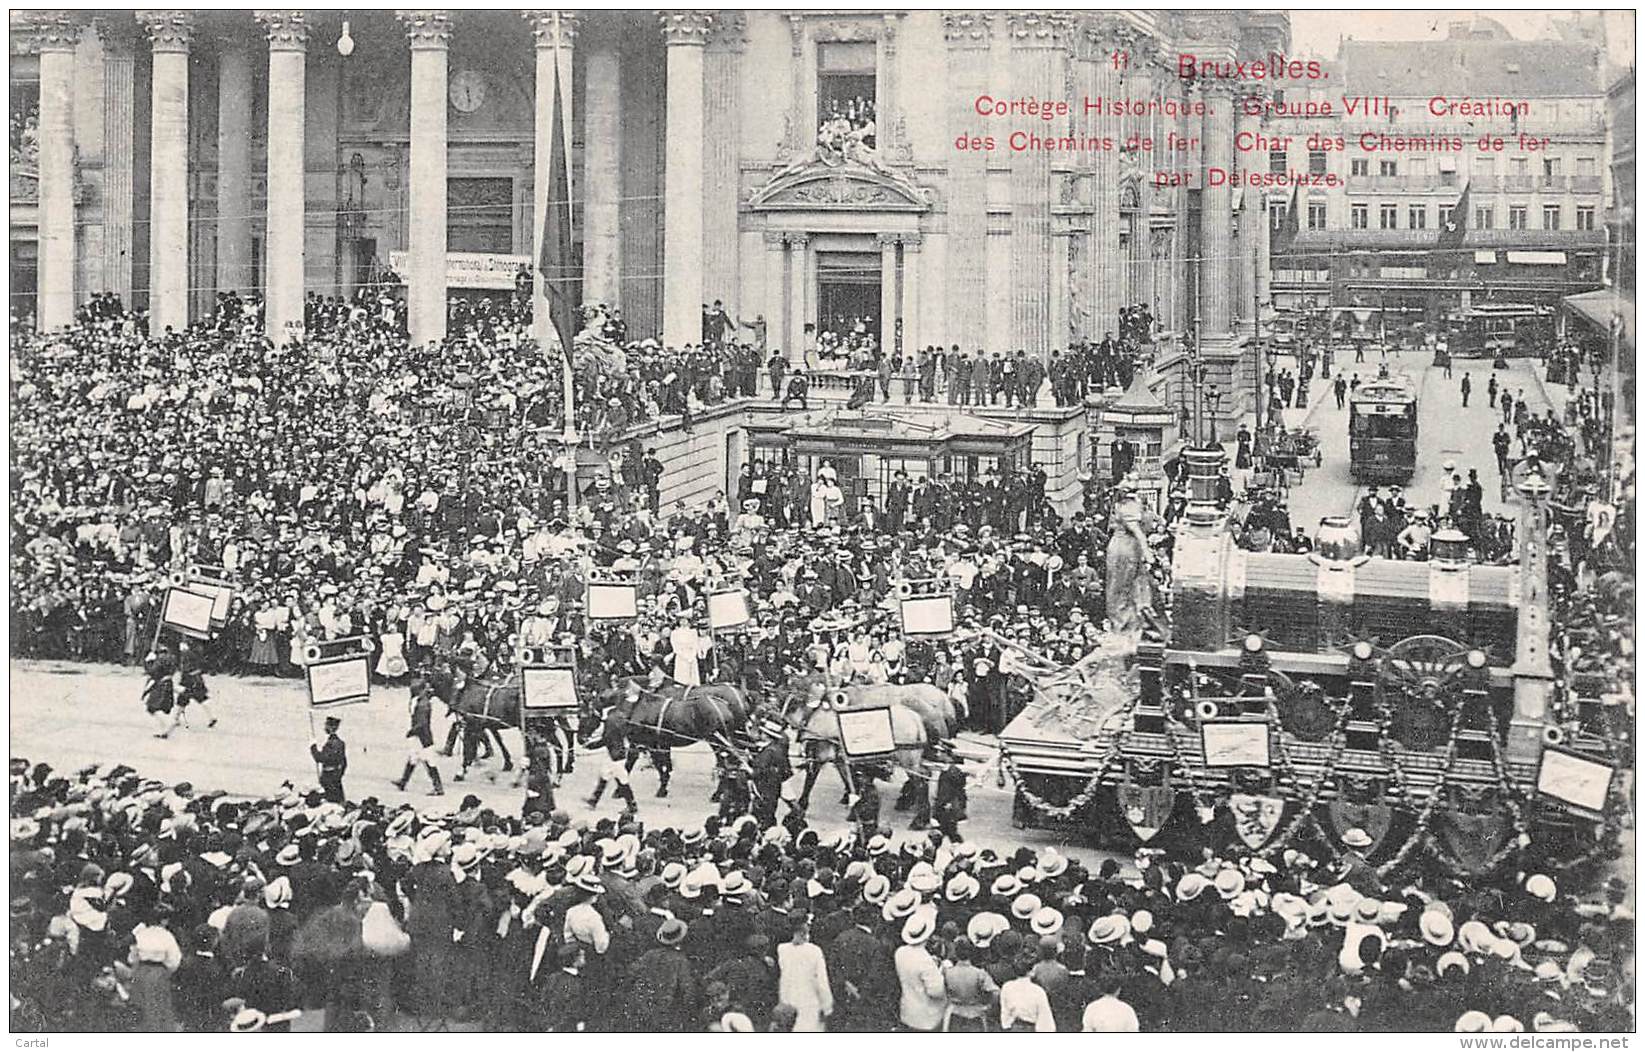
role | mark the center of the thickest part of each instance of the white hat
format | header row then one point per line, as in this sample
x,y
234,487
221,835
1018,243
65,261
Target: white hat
x,y
920,927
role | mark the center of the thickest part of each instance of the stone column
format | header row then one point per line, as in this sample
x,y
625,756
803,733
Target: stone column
x,y
799,251
234,166
283,313
556,35
1265,231
1251,219
776,293
603,168
119,82
1139,84
722,139
1107,280
1038,40
57,35
888,291
807,297
430,35
1217,273
686,34
967,35
170,34
911,295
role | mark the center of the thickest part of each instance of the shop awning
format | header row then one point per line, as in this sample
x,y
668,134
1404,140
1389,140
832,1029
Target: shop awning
x,y
1537,258
1603,308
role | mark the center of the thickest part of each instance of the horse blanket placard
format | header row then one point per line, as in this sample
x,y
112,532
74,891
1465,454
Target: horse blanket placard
x,y
867,732
545,690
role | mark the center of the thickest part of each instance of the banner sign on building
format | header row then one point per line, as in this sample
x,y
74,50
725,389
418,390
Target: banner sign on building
x,y
470,270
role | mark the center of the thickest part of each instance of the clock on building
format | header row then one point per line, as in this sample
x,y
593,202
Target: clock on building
x,y
468,91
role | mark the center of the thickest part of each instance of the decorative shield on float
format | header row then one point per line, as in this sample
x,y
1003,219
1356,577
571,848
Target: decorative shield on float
x,y
1255,817
1374,819
1472,838
1146,807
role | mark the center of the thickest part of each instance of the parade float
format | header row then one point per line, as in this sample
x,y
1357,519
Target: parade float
x,y
1282,700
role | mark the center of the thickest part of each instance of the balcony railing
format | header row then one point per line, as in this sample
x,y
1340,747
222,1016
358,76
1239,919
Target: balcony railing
x,y
1519,182
1586,184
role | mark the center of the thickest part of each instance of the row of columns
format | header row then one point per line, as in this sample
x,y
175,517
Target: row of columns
x,y
171,35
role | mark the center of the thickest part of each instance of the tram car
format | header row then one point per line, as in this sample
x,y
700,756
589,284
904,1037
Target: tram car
x,y
1298,697
1382,429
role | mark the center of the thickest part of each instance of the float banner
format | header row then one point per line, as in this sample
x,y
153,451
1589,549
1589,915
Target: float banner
x,y
188,612
1234,744
612,601
344,681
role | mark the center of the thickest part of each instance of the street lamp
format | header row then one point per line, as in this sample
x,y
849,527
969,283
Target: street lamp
x,y
1213,399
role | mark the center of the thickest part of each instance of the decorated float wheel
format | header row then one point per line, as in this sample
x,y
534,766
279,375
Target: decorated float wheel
x,y
1418,681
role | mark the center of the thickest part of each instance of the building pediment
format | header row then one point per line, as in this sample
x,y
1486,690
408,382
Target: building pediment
x,y
819,186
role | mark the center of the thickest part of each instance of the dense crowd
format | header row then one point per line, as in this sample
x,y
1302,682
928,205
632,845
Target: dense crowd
x,y
332,485
151,907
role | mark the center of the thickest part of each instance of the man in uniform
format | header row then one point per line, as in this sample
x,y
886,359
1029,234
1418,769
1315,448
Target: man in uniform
x,y
949,806
332,757
420,739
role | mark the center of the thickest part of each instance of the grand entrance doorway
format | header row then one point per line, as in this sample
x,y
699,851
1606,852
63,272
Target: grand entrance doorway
x,y
848,295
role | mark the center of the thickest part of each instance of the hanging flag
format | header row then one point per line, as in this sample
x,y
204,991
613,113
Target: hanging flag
x,y
561,280
1451,234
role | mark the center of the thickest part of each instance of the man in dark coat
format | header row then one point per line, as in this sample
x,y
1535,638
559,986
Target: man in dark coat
x,y
565,1000
864,979
663,992
332,757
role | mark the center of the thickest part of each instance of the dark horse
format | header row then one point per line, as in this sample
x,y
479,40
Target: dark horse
x,y
658,719
483,708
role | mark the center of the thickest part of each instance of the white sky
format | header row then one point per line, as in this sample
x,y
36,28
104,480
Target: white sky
x,y
1317,32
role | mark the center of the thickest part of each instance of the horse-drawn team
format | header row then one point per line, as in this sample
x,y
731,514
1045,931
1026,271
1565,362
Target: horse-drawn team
x,y
651,715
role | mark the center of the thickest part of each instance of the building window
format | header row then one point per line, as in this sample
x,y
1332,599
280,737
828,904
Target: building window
x,y
1388,168
845,86
1585,166
1316,215
1316,162
480,215
1276,217
1417,167
1359,166
1417,217
1584,217
1359,215
1388,217
1550,169
1447,175
1445,214
1276,162
1521,167
1518,217
1550,217
1482,218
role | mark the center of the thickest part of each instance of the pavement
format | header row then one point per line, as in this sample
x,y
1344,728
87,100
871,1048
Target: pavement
x,y
73,715
1445,430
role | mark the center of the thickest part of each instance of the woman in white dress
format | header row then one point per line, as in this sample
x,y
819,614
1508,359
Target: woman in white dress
x,y
688,646
802,979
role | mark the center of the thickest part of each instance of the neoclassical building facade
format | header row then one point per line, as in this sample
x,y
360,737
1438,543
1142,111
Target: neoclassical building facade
x,y
175,151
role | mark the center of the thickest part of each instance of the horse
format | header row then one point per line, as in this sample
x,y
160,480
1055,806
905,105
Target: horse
x,y
921,715
483,708
658,719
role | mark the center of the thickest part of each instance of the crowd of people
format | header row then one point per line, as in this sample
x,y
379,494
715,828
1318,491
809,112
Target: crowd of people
x,y
143,906
357,485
